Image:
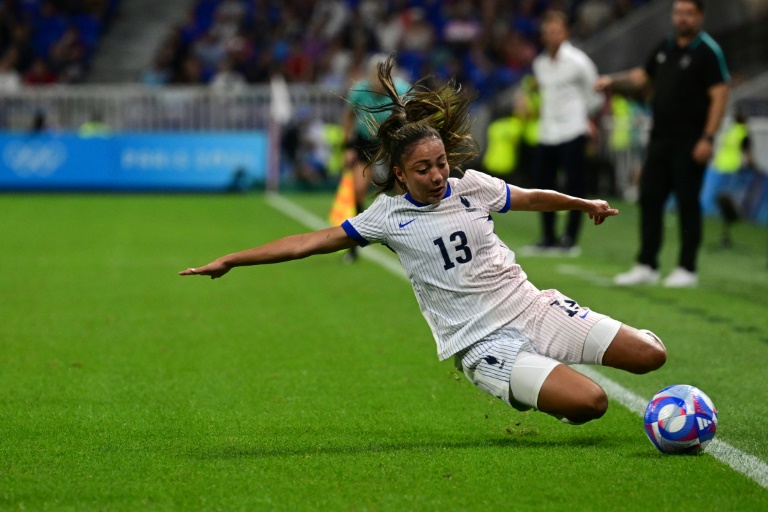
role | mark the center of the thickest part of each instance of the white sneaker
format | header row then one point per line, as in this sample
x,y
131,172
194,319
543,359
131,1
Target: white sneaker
x,y
639,274
681,278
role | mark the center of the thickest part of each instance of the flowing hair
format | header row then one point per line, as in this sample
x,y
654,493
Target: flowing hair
x,y
419,114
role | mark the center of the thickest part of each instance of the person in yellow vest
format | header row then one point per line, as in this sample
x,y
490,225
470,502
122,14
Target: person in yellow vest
x,y
501,154
95,127
620,143
733,154
528,105
333,134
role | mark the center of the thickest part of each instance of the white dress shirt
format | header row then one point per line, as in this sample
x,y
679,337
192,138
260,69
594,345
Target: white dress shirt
x,y
567,90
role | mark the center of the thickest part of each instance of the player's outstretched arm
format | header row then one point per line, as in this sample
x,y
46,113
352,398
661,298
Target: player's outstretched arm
x,y
536,200
292,247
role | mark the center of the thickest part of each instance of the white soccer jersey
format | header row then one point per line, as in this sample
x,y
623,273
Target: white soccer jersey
x,y
465,279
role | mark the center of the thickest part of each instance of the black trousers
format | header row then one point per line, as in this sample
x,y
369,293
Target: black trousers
x,y
670,168
569,156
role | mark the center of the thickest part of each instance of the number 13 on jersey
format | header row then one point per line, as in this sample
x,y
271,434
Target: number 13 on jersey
x,y
463,252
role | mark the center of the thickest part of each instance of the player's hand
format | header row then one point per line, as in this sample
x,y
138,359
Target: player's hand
x,y
598,210
702,151
603,82
214,269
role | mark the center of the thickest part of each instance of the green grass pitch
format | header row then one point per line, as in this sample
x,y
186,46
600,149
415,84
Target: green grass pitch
x,y
312,385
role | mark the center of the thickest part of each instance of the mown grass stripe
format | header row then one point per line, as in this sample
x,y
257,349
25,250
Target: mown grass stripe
x,y
739,461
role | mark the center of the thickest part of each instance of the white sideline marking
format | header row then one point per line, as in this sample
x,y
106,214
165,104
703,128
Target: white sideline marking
x,y
746,464
586,275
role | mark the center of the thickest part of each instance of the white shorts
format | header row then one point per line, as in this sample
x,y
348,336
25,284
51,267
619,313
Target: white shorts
x,y
557,326
508,365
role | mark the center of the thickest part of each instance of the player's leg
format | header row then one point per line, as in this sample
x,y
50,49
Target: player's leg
x,y
561,329
556,389
633,350
505,366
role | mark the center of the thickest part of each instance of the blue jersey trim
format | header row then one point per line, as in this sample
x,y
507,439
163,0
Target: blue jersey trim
x,y
352,233
508,202
420,204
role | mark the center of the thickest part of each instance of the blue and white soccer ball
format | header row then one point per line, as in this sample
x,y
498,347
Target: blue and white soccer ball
x,y
680,419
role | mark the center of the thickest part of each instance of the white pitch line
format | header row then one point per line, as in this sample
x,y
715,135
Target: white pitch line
x,y
746,464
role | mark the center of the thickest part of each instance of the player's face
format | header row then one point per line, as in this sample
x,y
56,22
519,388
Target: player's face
x,y
686,18
425,170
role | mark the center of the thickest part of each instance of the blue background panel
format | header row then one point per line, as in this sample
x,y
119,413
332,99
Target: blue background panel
x,y
122,161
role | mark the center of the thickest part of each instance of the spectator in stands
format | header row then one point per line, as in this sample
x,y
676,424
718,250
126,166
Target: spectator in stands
x,y
67,56
487,46
10,79
159,72
690,82
227,79
191,71
39,73
591,15
209,51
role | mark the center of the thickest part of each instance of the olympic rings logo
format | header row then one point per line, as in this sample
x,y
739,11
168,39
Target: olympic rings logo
x,y
34,158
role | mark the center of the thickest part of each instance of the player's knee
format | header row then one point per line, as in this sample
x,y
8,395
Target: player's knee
x,y
654,354
592,406
596,404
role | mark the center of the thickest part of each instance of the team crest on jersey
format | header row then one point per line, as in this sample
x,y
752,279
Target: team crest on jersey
x,y
661,57
685,61
466,204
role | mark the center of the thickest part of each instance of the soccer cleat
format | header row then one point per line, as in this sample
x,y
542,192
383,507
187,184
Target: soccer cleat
x,y
681,278
639,274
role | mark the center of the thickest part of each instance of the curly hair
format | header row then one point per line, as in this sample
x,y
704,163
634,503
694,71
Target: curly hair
x,y
419,114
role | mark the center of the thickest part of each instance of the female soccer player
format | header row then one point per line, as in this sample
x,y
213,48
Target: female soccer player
x,y
509,338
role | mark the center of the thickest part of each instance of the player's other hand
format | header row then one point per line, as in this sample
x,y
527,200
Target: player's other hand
x,y
603,82
598,210
214,269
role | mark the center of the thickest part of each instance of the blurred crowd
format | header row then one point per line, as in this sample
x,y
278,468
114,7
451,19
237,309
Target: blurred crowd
x,y
487,45
49,41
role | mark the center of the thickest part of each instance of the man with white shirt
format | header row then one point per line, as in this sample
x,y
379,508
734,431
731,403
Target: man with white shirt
x,y
566,78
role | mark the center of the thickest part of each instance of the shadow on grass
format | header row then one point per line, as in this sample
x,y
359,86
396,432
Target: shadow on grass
x,y
290,449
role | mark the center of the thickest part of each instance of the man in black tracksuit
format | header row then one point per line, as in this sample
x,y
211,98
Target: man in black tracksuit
x,y
688,74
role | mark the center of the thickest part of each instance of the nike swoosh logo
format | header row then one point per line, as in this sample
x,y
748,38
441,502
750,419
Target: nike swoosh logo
x,y
403,224
584,315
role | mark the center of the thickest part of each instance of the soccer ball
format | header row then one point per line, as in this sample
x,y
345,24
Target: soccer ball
x,y
680,419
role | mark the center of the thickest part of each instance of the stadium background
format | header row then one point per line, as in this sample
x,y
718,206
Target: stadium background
x,y
162,79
